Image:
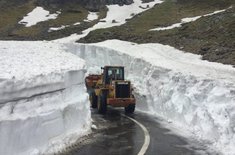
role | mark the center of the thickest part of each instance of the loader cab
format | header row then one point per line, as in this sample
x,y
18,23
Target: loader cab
x,y
112,73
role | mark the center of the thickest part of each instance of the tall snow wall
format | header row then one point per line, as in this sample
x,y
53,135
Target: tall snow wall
x,y
193,94
43,100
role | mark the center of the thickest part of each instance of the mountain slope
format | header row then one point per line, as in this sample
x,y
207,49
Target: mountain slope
x,y
213,37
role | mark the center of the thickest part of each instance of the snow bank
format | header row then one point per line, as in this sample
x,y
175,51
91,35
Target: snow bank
x,y
195,95
116,16
43,101
37,15
186,20
92,16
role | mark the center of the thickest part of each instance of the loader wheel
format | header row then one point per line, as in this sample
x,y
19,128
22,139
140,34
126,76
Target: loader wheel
x,y
102,103
93,99
130,108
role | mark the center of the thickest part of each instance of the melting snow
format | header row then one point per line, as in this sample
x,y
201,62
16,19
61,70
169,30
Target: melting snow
x,y
58,28
78,23
186,20
116,15
38,15
92,16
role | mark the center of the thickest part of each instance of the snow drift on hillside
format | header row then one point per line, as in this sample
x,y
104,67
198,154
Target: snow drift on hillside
x,y
37,15
51,29
193,94
43,101
116,16
186,20
92,16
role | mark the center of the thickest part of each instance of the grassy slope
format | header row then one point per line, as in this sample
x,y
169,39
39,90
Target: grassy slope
x,y
70,13
11,14
213,37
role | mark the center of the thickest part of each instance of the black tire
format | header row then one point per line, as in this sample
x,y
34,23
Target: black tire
x,y
130,109
102,103
93,99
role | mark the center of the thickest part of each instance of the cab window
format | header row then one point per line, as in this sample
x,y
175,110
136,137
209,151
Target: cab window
x,y
115,73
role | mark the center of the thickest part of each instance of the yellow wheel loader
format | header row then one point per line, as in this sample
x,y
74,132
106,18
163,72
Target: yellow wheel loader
x,y
110,88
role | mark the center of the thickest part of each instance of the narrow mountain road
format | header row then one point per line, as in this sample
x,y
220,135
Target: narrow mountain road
x,y
117,134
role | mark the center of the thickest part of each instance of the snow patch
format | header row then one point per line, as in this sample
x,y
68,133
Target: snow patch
x,y
193,94
38,14
186,20
92,16
78,23
58,28
62,27
116,16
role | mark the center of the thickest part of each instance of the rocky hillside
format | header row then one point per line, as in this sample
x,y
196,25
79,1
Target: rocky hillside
x,y
11,3
92,5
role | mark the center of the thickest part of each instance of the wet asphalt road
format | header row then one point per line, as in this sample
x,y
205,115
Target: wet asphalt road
x,y
117,135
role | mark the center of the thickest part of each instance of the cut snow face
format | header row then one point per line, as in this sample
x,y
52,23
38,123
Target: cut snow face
x,y
116,15
170,58
186,20
91,17
193,94
38,15
43,101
